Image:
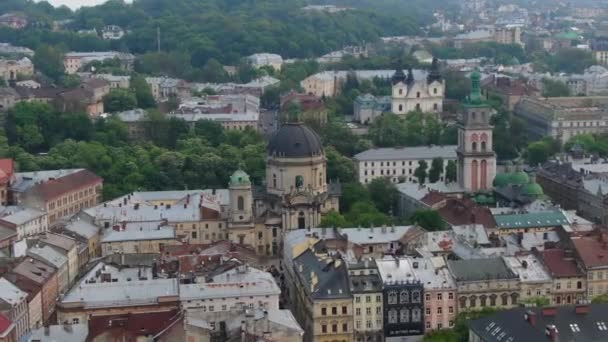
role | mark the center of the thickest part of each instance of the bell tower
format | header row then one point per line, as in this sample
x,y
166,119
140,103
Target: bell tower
x,y
476,157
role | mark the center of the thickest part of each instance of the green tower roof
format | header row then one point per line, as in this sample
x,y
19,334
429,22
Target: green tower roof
x,y
519,177
533,189
239,177
502,179
475,98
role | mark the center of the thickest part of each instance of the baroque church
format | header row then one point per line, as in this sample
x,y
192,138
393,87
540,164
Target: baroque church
x,y
416,93
296,193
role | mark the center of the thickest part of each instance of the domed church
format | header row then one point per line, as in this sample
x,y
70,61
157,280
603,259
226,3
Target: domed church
x,y
296,188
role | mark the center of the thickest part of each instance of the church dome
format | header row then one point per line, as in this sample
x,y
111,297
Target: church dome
x,y
519,177
502,179
533,189
239,177
295,140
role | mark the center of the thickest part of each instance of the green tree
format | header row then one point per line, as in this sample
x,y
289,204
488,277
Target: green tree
x,y
352,193
143,93
214,72
333,219
383,194
49,61
427,219
451,172
601,299
339,167
436,170
119,99
365,214
555,88
420,171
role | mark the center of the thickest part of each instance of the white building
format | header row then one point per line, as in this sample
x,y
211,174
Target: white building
x,y
399,164
14,301
259,60
27,222
112,32
534,278
74,61
243,285
411,93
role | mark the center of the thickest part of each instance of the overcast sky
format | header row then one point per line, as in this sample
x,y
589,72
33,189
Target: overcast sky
x,y
75,3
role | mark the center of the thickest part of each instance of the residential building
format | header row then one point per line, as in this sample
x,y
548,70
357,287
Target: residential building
x,y
74,61
7,179
9,49
59,192
163,325
599,46
13,304
534,280
583,323
136,121
440,305
13,20
26,222
115,81
412,196
592,252
563,117
508,89
67,247
112,32
367,108
44,276
87,98
399,164
164,88
34,298
485,283
259,60
472,37
11,69
8,98
329,83
322,301
366,288
403,298
569,282
410,93
537,221
561,183
87,231
310,108
7,330
476,157
62,332
108,290
137,237
52,258
241,286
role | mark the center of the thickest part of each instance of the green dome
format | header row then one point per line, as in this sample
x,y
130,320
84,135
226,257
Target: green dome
x,y
481,199
533,189
519,177
502,179
239,177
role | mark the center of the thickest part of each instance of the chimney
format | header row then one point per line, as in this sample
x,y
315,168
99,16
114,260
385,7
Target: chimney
x,y
530,317
551,332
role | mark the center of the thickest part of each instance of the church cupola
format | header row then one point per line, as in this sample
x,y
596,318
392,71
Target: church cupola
x,y
399,75
434,74
410,76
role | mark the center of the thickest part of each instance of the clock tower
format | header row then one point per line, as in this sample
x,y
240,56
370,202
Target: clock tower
x,y
476,157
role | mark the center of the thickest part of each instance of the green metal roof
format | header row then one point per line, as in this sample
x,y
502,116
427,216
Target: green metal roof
x,y
531,220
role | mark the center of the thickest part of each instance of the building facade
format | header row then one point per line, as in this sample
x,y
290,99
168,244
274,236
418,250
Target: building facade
x,y
422,95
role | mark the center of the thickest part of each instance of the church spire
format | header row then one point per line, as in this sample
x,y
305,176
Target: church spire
x,y
399,75
434,74
475,97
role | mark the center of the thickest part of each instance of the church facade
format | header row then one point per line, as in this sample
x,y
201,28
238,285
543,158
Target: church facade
x,y
411,93
476,157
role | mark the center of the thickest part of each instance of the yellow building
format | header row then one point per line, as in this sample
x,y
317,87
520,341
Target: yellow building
x,y
137,237
592,253
366,288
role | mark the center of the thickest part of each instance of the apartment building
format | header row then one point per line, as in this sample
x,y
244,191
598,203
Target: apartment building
x,y
74,61
399,164
26,222
11,69
440,304
44,276
13,304
592,254
535,281
569,281
59,193
366,288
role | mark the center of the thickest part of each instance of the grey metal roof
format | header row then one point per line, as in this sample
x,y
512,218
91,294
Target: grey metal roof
x,y
480,269
295,140
331,274
408,153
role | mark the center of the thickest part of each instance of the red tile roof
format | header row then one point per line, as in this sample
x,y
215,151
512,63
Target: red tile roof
x,y
5,325
464,211
7,168
58,187
130,326
592,250
558,264
433,198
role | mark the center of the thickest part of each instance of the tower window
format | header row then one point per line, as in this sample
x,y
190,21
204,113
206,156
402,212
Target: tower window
x,y
400,91
299,181
400,108
418,94
474,146
241,203
434,90
435,107
483,146
274,180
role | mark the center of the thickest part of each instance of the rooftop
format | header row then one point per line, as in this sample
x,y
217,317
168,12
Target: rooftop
x,y
480,269
139,231
365,236
325,277
560,263
528,268
59,333
23,216
10,293
54,187
550,218
592,250
394,270
408,153
48,255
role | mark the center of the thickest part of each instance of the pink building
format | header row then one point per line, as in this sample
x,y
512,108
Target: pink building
x,y
440,293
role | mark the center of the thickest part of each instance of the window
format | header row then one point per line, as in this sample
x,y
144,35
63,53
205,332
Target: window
x,y
344,327
427,297
76,321
428,325
404,315
428,311
358,311
440,310
418,95
392,297
439,296
357,299
358,324
368,299
299,181
194,235
392,316
404,297
378,310
323,311
474,146
451,309
400,108
434,90
416,296
463,302
504,299
344,310
334,328
241,203
324,328
416,315
274,180
368,311
450,295
334,310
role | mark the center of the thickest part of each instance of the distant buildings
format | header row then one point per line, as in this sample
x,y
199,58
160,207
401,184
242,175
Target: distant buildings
x,y
418,94
259,60
503,34
399,164
13,20
329,83
367,108
563,117
112,32
233,112
509,90
11,69
9,49
74,61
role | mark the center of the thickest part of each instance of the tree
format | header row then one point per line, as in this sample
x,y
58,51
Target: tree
x,y
420,171
539,152
436,169
119,99
214,72
333,219
339,167
555,88
451,172
143,93
49,61
383,194
352,193
427,219
457,85
601,299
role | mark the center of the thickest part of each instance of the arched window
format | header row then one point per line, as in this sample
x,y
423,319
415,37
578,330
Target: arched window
x,y
392,316
474,146
514,298
301,220
416,315
392,297
404,315
241,203
400,91
483,146
299,181
435,107
274,180
463,302
493,299
418,95
415,296
482,300
434,90
400,108
473,301
504,299
404,297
